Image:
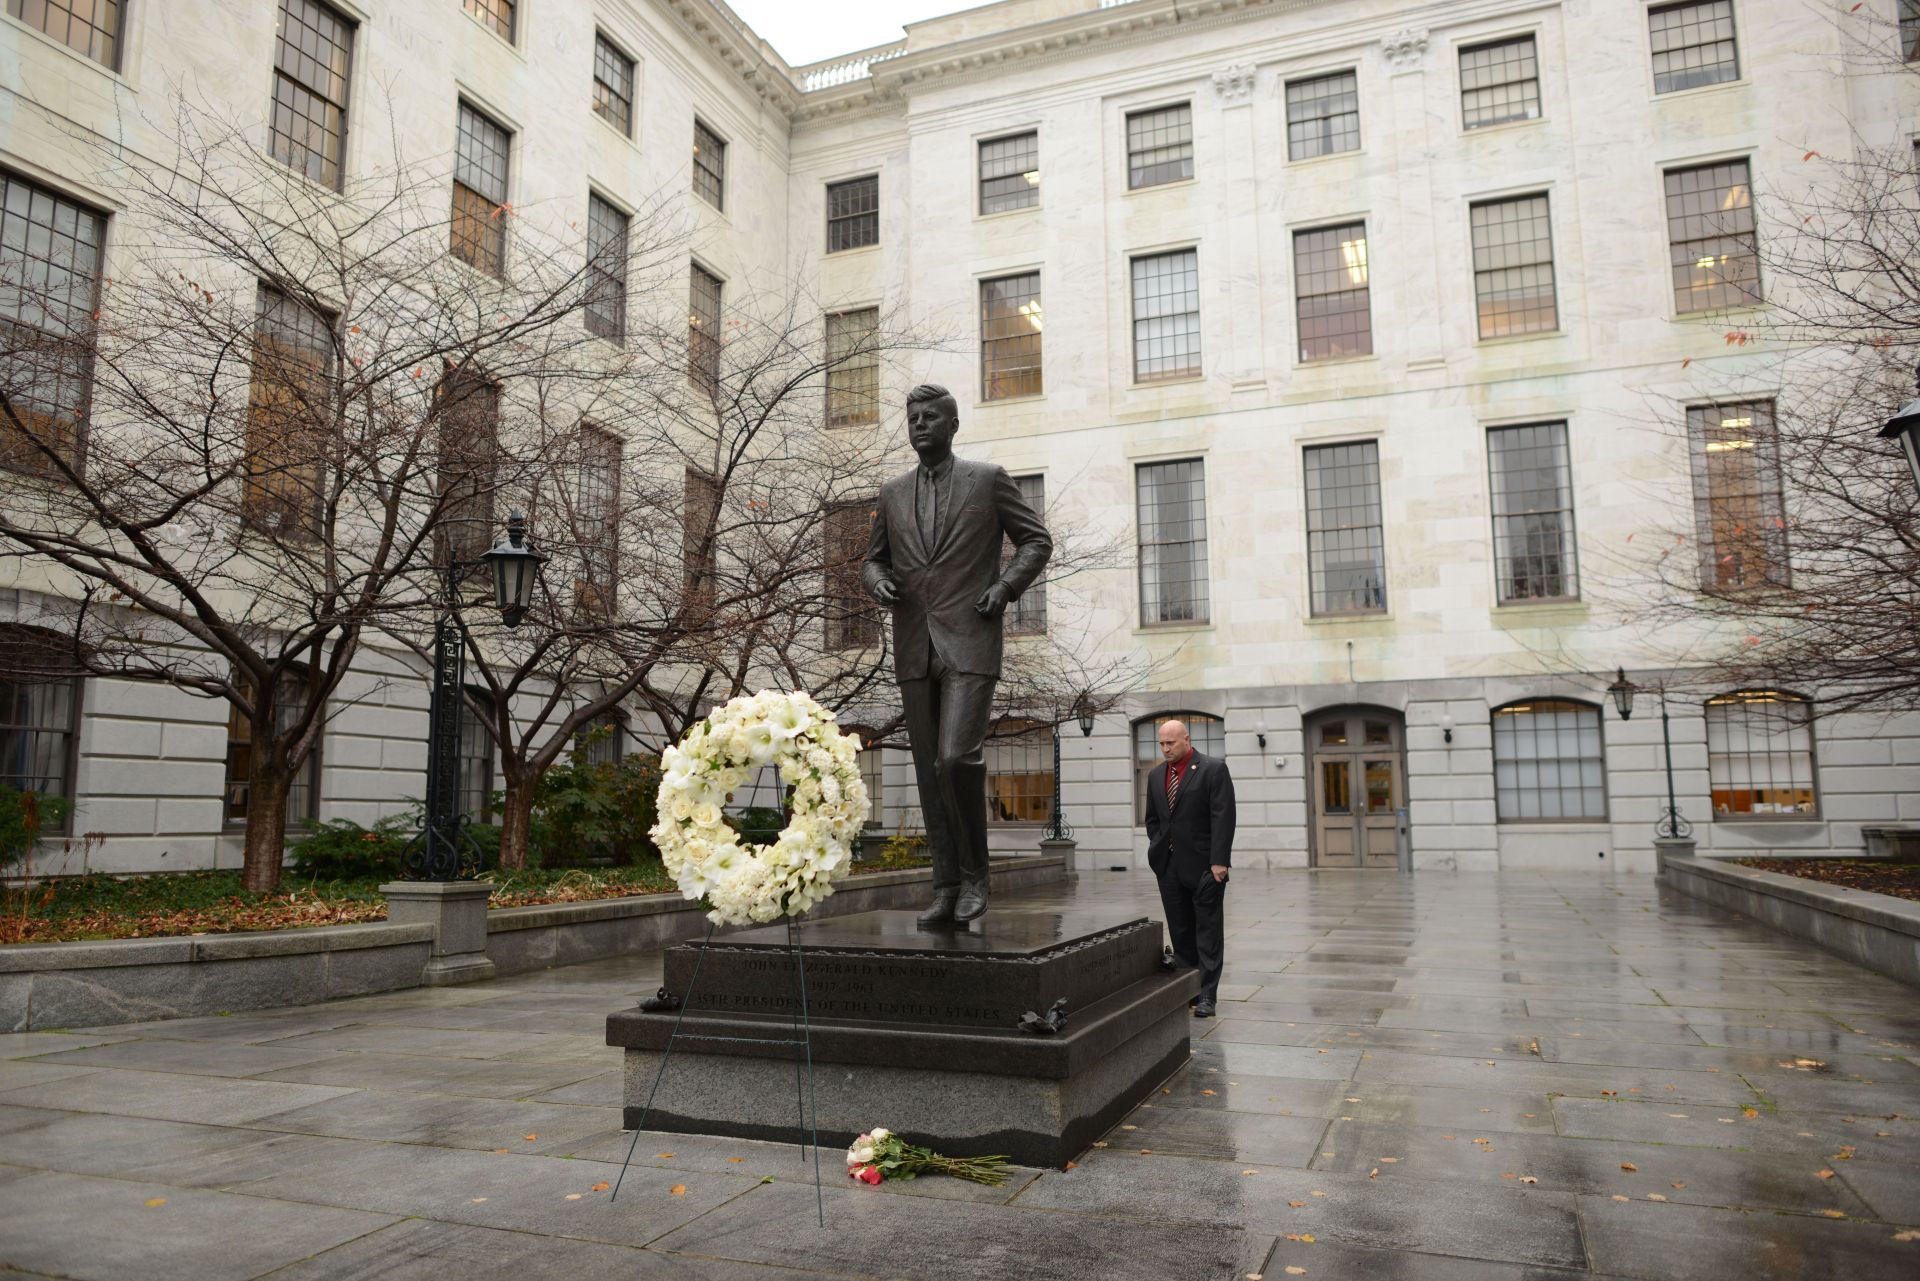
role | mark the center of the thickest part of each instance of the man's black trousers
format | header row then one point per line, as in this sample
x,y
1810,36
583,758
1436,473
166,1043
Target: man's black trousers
x,y
1196,924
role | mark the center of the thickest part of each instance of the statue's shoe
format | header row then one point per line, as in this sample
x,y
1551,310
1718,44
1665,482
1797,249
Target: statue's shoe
x,y
973,902
940,911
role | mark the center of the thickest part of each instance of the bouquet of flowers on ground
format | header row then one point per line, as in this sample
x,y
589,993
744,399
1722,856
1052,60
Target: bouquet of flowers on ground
x,y
882,1154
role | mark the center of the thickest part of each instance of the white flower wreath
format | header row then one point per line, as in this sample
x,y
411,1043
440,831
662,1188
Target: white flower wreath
x,y
828,803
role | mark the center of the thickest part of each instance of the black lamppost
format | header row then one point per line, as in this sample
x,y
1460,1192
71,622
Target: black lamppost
x,y
1904,427
516,565
1059,829
1671,825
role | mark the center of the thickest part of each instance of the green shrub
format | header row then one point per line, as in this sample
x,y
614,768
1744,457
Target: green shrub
x,y
23,816
595,814
342,850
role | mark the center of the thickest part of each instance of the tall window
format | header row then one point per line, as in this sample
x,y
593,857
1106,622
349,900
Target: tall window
x,y
1332,292
709,166
703,330
1019,773
474,750
50,256
602,740
1716,253
852,620
1513,267
468,464
1760,754
853,213
480,192
303,790
853,367
1532,484
39,712
313,50
1209,735
1346,540
1910,30
1166,316
612,85
700,537
288,416
1172,519
1028,615
1159,145
1499,82
90,28
596,519
1739,515
1010,325
495,15
1547,762
606,310
1323,115
1010,173
1693,45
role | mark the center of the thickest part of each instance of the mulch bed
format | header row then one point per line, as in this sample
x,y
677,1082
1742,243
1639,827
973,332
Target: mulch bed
x,y
1901,880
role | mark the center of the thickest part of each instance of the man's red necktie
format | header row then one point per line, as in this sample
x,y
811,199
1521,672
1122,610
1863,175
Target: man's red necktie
x,y
1173,784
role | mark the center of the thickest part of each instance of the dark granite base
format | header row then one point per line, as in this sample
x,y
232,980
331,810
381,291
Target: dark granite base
x,y
923,1038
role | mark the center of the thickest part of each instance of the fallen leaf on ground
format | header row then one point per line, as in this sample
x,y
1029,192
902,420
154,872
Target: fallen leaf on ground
x,y
1316,1194
1676,1185
1296,1204
1618,1197
1146,1151
1678,1116
1630,1167
1306,1238
1374,1172
1656,1196
1833,1214
1528,1178
1073,1165
735,1160
1528,1115
479,1200
156,1200
1293,1271
1724,1120
1099,1143
1249,1172
601,1186
1390,1160
529,1137
678,1189
1908,1235
573,1196
1749,1113
1206,1091
499,1151
1352,1100
1129,1127
1826,1174
664,1156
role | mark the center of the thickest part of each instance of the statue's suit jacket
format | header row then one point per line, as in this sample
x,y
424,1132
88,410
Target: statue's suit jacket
x,y
939,585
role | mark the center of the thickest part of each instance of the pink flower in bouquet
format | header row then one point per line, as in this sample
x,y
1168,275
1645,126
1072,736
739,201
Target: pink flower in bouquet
x,y
867,1174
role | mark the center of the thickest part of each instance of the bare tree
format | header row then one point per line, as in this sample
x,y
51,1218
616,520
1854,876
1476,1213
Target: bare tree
x,y
244,449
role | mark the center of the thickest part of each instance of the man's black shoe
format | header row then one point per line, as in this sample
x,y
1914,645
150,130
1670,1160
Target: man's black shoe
x,y
972,903
1203,1009
940,911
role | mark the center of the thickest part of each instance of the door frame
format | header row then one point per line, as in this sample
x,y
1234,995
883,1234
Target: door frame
x,y
1311,725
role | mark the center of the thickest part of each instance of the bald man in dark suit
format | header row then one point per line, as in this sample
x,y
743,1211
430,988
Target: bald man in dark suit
x,y
1190,818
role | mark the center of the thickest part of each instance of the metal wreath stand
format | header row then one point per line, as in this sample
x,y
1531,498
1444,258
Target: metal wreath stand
x,y
807,1113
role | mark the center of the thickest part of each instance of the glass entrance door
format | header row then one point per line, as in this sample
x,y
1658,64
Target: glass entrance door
x,y
1359,786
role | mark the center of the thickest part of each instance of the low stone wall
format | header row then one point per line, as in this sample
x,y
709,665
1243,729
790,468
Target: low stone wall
x,y
60,985
1875,930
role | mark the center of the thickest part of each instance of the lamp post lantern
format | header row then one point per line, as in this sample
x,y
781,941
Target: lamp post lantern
x,y
1904,427
1058,829
516,567
1671,825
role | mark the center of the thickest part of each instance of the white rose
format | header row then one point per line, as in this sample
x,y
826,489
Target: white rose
x,y
879,1135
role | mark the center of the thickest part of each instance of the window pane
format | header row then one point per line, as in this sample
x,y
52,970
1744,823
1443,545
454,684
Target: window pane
x,y
1693,45
703,330
1499,82
1739,515
853,214
853,367
612,85
313,50
1760,754
1346,540
1333,292
479,191
606,310
1532,484
91,28
1547,762
1513,267
495,15
38,708
475,752
1173,542
1019,774
1028,615
467,465
853,621
289,416
303,789
1323,116
1910,30
700,539
1010,173
1710,228
1010,333
1159,146
595,499
49,288
709,166
1166,316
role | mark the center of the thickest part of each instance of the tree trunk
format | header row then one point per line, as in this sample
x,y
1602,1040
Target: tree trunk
x,y
516,820
266,824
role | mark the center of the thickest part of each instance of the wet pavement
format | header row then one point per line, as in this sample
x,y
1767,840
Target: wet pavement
x,y
1483,1078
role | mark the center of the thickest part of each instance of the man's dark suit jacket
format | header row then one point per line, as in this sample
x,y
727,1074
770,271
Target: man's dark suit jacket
x,y
938,585
1199,832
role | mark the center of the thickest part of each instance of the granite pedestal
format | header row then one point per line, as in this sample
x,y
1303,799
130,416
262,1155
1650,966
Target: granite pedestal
x,y
916,1030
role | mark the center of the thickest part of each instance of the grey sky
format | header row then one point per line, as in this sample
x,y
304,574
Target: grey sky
x,y
809,31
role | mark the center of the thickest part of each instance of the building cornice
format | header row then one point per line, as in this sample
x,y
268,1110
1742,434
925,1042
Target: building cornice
x,y
750,59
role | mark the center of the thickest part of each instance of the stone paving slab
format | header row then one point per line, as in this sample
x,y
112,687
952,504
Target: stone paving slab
x,y
90,1228
419,1074
446,1121
171,1096
187,1056
99,1143
1688,1243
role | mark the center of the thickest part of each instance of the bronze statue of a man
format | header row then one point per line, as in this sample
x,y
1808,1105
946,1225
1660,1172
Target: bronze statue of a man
x,y
934,560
